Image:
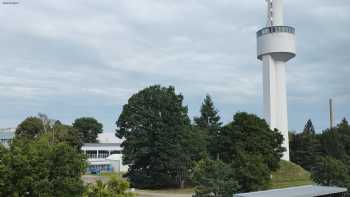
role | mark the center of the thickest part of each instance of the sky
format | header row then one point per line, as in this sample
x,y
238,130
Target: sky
x,y
70,59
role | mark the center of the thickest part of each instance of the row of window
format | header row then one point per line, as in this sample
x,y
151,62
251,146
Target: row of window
x,y
92,154
96,169
5,141
275,29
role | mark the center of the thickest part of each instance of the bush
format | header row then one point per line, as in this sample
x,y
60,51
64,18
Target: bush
x,y
115,187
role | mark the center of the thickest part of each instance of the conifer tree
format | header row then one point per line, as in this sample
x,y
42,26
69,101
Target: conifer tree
x,y
209,122
305,147
309,128
344,124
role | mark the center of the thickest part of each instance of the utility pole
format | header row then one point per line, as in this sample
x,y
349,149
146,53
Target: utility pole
x,y
331,115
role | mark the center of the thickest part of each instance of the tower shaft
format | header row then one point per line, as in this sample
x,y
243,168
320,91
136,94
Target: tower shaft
x,y
276,46
275,98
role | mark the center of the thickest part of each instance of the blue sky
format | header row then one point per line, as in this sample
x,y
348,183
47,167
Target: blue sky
x,y
70,59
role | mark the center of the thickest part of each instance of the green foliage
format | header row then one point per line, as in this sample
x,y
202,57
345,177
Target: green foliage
x,y
331,172
253,174
309,128
67,134
38,168
250,151
209,123
31,127
4,173
326,155
344,124
214,178
251,135
305,149
115,187
97,190
89,128
156,129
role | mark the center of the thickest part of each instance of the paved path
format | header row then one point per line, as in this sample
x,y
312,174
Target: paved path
x,y
142,193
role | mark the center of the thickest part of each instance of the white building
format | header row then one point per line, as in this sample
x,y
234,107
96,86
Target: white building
x,y
6,136
106,155
276,45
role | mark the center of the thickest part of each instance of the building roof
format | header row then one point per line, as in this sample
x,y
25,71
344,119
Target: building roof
x,y
108,137
302,191
114,157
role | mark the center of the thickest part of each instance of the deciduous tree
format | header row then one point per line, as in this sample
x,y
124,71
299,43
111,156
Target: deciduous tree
x,y
156,128
89,128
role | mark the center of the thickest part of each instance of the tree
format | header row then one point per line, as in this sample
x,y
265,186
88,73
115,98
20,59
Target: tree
x,y
252,172
89,128
309,128
302,150
331,172
156,128
4,175
67,134
344,124
36,167
209,122
31,127
252,135
332,144
305,147
214,178
251,150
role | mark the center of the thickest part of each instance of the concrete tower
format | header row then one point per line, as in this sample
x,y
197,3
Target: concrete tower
x,y
276,45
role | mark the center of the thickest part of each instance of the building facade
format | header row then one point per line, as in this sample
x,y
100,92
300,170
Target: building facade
x,y
104,156
6,136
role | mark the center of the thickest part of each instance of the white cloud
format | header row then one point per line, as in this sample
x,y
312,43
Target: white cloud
x,y
100,52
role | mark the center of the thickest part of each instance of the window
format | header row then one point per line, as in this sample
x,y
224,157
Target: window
x,y
103,153
116,152
91,154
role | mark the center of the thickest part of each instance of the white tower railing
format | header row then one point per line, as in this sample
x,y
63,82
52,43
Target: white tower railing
x,y
276,45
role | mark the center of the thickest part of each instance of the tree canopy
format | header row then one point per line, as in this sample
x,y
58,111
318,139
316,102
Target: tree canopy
x,y
88,128
156,129
209,123
309,128
326,155
250,134
31,127
39,168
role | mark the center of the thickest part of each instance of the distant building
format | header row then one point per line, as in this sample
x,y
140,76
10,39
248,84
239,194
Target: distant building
x,y
106,155
6,136
302,191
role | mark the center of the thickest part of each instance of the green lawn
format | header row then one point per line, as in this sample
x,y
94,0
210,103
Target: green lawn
x,y
290,175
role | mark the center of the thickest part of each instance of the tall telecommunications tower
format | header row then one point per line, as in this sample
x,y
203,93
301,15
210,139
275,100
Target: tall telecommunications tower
x,y
276,45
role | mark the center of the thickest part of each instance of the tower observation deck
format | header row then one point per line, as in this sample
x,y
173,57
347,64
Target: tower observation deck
x,y
276,46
